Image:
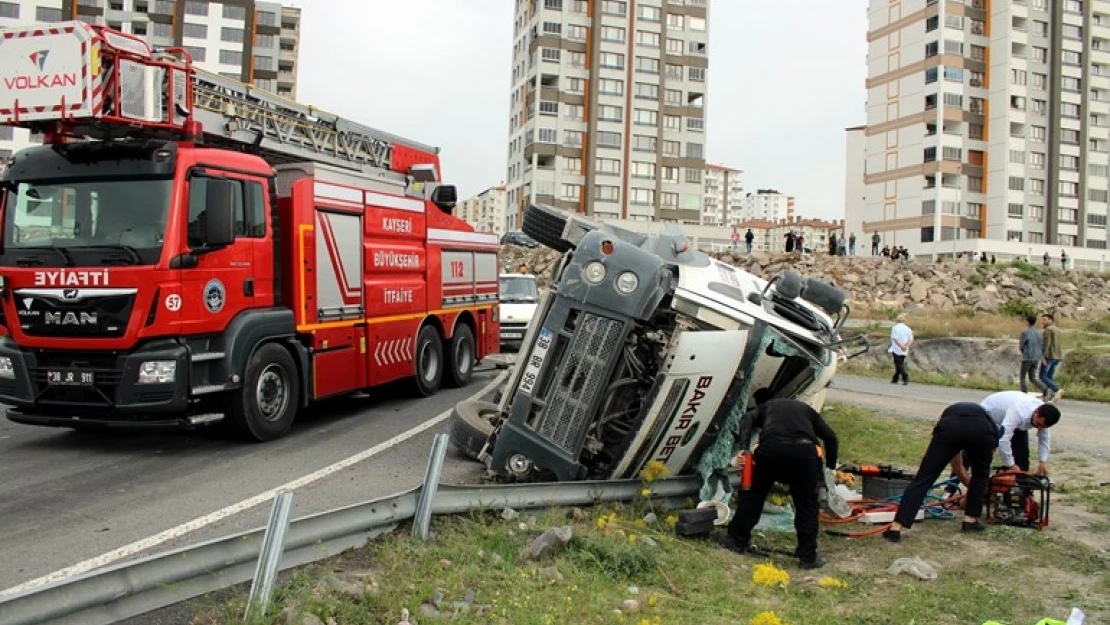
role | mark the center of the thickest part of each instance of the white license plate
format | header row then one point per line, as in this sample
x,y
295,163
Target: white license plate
x,y
512,335
535,361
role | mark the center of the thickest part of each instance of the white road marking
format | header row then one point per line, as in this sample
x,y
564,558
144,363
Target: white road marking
x,y
191,526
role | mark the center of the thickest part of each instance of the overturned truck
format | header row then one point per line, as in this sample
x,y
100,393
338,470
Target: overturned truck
x,y
645,349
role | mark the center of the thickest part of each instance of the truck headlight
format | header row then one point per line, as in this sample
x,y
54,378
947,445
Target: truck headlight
x,y
595,272
7,369
157,372
627,282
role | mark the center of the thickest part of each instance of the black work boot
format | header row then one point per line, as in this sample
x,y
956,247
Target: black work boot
x,y
816,563
735,545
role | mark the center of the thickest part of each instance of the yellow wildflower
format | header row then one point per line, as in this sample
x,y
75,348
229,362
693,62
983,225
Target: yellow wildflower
x,y
766,618
612,517
632,538
671,520
652,600
601,523
653,471
640,523
770,575
645,492
832,582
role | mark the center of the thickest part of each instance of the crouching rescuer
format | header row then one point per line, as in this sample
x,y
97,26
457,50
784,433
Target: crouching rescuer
x,y
787,453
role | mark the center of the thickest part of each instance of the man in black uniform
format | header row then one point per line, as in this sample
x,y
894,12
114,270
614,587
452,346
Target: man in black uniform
x,y
963,427
787,453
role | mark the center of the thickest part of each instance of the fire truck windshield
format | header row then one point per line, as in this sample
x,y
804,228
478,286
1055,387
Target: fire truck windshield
x,y
87,222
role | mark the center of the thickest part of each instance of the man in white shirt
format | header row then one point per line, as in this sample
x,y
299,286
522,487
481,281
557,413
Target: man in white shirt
x,y
1016,412
901,338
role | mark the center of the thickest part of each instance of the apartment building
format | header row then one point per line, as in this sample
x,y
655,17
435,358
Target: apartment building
x,y
988,127
486,211
767,204
608,103
255,42
724,196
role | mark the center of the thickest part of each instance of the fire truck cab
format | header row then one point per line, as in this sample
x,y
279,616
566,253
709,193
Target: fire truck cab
x,y
186,249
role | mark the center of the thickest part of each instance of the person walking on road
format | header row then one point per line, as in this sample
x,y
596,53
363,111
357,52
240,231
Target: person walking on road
x,y
787,452
1050,362
1032,352
963,428
901,339
749,236
1015,413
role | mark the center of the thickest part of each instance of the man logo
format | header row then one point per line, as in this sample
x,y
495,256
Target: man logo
x,y
69,294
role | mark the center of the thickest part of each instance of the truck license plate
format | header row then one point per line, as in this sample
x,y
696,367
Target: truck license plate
x,y
70,377
514,335
535,361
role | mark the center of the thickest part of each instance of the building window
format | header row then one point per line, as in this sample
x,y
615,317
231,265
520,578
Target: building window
x,y
673,97
1017,157
1069,189
1069,162
644,117
550,54
1040,28
1067,215
645,91
614,7
643,143
198,54
196,8
647,39
572,165
577,33
232,12
669,174
608,86
1015,210
1096,220
1013,235
668,200
1036,186
1040,107
1096,195
643,170
262,40
1017,76
674,46
694,150
696,24
159,29
196,31
1071,31
576,85
672,148
231,35
1040,81
1016,184
1036,133
549,108
231,57
1069,136
264,63
612,33
931,49
267,18
1071,57
610,113
572,138
647,65
1098,170
650,13
46,14
672,122
604,193
609,139
611,60
697,74
932,23
610,166
1071,83
552,28
694,176
928,207
1096,244
571,191
1040,55
573,111
695,124
642,197
954,74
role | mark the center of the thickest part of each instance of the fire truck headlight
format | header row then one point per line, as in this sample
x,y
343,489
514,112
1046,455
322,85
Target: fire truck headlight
x,y
7,370
627,282
594,272
157,372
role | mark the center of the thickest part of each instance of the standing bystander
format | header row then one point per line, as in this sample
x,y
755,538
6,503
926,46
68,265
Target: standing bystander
x,y
1032,351
1053,354
901,338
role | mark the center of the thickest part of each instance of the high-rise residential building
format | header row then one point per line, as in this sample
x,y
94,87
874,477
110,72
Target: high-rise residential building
x,y
988,126
724,196
855,157
486,211
767,204
253,42
608,107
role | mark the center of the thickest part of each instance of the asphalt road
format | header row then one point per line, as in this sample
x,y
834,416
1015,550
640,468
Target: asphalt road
x,y
67,497
1083,426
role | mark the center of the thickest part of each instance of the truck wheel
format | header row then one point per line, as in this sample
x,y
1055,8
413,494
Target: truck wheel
x,y
429,361
264,407
472,422
461,357
545,224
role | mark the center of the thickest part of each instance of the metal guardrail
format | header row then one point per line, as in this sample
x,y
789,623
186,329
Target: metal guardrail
x,y
121,591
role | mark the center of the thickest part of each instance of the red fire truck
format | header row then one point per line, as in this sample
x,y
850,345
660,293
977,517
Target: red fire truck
x,y
186,249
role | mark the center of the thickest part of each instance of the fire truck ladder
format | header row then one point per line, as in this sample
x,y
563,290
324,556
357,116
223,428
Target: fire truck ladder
x,y
235,115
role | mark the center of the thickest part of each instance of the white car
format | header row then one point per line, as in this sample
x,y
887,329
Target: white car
x,y
520,297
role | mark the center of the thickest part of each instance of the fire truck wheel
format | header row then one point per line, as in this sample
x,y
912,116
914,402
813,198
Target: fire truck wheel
x,y
263,409
472,422
429,361
546,225
460,357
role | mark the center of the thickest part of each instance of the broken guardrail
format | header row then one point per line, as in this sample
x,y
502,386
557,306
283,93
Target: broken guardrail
x,y
125,590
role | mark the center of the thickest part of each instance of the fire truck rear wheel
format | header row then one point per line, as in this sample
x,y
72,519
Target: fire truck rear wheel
x,y
460,356
429,361
264,408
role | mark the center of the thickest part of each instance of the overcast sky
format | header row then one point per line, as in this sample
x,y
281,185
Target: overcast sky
x,y
785,78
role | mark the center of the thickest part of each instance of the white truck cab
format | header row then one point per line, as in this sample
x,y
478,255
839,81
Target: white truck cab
x,y
520,297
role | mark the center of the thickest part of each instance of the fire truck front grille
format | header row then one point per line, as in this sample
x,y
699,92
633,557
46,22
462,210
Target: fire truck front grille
x,y
106,378
582,378
94,315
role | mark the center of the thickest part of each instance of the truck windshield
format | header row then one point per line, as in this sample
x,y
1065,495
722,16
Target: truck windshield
x,y
86,223
519,290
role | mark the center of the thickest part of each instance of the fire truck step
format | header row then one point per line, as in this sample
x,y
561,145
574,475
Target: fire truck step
x,y
211,388
207,356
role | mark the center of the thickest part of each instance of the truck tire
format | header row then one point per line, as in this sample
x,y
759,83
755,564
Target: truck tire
x,y
428,361
472,422
263,409
546,225
461,357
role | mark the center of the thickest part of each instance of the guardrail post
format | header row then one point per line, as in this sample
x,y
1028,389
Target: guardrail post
x,y
269,557
422,519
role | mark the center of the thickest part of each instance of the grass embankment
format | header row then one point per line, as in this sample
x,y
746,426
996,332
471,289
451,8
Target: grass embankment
x,y
1013,575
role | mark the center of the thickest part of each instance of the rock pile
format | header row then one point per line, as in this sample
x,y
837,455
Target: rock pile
x,y
914,285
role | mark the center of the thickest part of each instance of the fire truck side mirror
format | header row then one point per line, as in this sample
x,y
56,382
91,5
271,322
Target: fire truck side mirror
x,y
219,213
445,196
